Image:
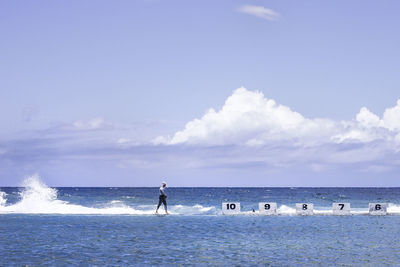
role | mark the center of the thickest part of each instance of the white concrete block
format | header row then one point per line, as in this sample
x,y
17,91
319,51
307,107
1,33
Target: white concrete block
x,y
341,208
304,208
230,208
378,208
267,208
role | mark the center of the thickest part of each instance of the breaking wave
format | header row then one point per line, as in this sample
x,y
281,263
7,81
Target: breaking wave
x,y
393,209
2,198
38,198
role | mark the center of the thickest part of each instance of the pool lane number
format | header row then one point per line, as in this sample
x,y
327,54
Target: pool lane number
x,y
229,208
267,208
377,208
270,208
304,208
341,208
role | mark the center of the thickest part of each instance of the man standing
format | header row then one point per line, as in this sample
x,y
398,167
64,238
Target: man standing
x,y
162,198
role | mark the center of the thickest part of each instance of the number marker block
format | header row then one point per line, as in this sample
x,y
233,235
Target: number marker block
x,y
304,209
230,208
377,208
267,208
341,208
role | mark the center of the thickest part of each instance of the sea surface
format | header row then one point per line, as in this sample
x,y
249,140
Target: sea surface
x,y
44,226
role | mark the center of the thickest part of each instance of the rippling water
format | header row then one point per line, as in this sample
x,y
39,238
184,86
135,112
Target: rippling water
x,y
115,226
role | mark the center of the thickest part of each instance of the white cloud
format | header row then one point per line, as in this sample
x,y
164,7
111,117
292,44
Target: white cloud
x,y
249,118
368,119
370,127
123,141
93,124
249,136
391,117
259,11
161,140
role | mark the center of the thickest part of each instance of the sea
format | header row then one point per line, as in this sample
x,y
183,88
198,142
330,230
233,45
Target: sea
x,y
116,226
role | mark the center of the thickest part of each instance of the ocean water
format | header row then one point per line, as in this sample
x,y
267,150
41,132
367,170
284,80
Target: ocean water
x,y
43,226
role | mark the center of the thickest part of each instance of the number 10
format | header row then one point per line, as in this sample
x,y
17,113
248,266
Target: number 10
x,y
231,206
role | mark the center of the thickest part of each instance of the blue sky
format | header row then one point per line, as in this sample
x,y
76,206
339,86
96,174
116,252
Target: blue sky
x,y
99,93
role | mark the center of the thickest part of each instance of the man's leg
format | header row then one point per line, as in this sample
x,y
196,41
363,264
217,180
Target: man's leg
x,y
165,205
159,204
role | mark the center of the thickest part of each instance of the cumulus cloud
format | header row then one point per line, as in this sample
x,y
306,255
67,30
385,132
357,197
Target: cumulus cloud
x,y
369,127
249,118
391,117
249,136
259,11
368,119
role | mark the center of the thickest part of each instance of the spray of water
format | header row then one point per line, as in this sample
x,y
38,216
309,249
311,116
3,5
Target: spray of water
x,y
3,199
38,198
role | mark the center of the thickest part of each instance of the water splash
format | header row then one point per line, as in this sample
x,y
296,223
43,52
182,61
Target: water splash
x,y
393,209
285,210
38,198
3,199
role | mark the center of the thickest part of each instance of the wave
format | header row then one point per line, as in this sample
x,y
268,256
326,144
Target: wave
x,y
38,198
393,209
3,199
286,210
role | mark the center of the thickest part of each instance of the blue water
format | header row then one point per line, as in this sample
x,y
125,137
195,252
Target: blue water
x,y
115,226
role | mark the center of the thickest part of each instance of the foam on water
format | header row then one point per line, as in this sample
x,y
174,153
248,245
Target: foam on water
x,y
324,211
286,210
3,199
393,209
38,198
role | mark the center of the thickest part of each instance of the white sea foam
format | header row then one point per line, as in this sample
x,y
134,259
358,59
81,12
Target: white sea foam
x,y
38,198
324,211
192,210
393,209
282,210
359,211
3,199
286,210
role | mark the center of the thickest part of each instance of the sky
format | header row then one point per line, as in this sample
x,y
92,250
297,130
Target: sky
x,y
200,93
